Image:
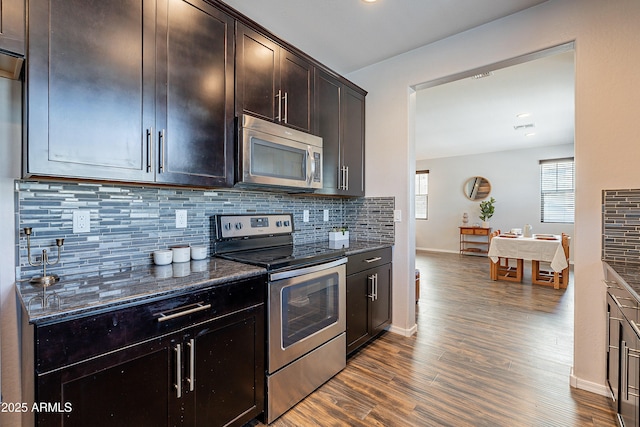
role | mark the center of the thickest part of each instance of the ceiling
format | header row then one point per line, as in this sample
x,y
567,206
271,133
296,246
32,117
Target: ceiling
x,y
472,116
457,118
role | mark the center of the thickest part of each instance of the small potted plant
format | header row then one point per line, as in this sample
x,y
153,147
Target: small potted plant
x,y
486,211
339,233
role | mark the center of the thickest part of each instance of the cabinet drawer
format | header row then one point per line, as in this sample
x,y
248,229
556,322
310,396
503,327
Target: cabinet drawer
x,y
466,231
66,342
365,260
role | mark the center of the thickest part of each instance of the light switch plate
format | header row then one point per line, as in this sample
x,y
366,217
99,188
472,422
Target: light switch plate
x,y
181,218
397,215
325,215
305,215
81,221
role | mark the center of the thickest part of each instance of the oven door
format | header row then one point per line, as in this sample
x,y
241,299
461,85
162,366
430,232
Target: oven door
x,y
307,307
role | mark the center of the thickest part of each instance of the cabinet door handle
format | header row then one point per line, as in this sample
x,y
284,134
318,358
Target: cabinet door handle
x,y
286,107
347,180
162,317
162,141
371,280
192,368
150,149
279,98
178,384
370,260
375,289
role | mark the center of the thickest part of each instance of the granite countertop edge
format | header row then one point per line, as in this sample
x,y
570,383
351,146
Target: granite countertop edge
x,y
359,246
626,274
147,286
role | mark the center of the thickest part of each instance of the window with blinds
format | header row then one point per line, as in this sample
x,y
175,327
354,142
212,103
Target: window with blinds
x,y
422,194
557,190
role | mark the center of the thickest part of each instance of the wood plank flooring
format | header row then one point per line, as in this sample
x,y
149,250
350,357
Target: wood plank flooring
x,y
486,354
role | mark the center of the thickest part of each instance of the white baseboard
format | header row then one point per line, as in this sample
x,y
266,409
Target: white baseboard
x,y
404,332
592,387
437,250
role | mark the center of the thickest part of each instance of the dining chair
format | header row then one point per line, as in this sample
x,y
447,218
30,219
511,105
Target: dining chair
x,y
509,269
541,274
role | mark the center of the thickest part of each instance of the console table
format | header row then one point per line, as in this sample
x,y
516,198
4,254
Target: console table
x,y
474,240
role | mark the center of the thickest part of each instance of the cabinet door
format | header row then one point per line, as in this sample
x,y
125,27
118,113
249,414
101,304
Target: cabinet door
x,y
229,369
613,353
90,93
629,375
328,110
194,101
352,142
257,74
12,25
131,387
296,80
381,305
358,295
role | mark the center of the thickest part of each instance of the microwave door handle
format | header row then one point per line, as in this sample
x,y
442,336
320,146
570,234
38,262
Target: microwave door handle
x,y
311,166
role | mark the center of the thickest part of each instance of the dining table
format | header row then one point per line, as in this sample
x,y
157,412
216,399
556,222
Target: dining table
x,y
546,248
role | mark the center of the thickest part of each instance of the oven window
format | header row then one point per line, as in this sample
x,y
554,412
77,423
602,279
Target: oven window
x,y
309,307
276,160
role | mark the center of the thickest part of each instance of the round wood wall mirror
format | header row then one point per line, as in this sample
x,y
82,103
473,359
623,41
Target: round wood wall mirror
x,y
477,188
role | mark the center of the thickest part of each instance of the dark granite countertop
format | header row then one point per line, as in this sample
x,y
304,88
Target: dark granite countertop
x,y
624,273
359,246
91,292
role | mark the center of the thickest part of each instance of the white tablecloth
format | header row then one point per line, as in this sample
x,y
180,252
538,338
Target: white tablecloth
x,y
530,249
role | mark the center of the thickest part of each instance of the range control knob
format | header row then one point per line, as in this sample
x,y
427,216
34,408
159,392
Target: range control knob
x,y
278,223
286,223
227,226
238,226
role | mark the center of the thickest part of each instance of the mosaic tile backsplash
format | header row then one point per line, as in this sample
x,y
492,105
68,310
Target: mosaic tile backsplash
x,y
621,225
129,223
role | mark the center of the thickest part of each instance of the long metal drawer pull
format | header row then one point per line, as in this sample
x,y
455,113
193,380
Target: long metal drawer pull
x,y
375,283
198,307
178,384
370,260
347,182
192,369
306,270
625,370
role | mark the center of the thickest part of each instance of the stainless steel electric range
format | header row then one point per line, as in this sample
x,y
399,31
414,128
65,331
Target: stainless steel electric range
x,y
306,303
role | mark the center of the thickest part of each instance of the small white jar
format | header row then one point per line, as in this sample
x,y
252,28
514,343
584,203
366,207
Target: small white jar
x,y
181,253
199,252
162,257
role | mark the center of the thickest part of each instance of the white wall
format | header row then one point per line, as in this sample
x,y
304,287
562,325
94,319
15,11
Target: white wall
x,y
515,184
10,149
606,146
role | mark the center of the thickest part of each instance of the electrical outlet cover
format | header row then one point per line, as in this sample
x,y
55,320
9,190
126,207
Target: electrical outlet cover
x,y
81,221
181,218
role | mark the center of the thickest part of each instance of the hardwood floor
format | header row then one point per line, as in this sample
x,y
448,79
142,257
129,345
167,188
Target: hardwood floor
x,y
486,354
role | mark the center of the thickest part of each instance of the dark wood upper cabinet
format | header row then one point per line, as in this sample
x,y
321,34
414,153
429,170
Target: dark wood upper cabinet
x,y
90,89
131,91
12,37
271,82
339,120
194,104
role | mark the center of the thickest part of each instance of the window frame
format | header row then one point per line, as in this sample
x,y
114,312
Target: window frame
x,y
417,194
555,184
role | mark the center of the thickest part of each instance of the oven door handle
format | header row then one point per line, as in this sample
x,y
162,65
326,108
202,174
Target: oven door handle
x,y
306,270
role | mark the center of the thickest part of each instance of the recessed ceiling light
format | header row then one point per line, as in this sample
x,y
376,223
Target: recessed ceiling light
x,y
522,115
530,134
482,75
369,1
526,126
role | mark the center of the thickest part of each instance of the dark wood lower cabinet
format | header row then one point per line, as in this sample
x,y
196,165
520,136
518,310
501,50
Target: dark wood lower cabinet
x,y
368,296
207,369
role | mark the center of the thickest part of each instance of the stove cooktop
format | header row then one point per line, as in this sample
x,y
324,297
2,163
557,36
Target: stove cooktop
x,y
275,258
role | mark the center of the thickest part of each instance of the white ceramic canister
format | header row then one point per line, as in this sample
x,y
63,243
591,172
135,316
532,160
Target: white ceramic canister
x,y
181,253
162,256
527,230
199,252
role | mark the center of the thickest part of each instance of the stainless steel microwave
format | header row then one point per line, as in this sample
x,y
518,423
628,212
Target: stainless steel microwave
x,y
272,155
